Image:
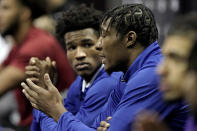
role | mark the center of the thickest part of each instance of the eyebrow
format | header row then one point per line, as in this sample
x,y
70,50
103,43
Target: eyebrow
x,y
86,40
69,43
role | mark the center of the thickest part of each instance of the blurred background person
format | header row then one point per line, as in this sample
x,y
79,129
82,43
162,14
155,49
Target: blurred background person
x,y
5,47
16,20
176,49
190,88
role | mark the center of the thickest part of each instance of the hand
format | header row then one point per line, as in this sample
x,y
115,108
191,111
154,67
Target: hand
x,y
47,100
37,68
32,70
148,121
104,125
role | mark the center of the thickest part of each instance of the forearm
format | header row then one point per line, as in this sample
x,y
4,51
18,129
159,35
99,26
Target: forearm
x,y
1,68
10,77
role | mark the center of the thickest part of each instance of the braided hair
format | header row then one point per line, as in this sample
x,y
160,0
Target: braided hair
x,y
135,17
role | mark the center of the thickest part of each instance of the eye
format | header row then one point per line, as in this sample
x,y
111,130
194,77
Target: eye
x,y
87,45
70,48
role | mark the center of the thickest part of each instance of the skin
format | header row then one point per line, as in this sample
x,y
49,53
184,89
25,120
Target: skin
x,y
83,57
190,90
47,100
173,68
112,48
82,53
148,121
104,125
15,20
37,68
173,72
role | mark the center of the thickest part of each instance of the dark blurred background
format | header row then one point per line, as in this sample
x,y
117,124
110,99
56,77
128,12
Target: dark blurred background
x,y
164,10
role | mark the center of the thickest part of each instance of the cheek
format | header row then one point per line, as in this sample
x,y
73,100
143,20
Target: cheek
x,y
95,59
70,57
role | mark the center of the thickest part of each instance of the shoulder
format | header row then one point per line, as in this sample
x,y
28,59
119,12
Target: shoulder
x,y
40,40
146,78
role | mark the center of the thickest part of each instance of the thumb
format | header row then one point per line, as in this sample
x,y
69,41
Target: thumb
x,y
108,118
47,81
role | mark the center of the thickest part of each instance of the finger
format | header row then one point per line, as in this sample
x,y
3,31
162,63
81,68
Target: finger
x,y
34,87
54,64
31,99
48,81
102,123
100,129
33,60
48,60
33,79
29,91
32,73
107,125
32,68
104,129
108,118
34,105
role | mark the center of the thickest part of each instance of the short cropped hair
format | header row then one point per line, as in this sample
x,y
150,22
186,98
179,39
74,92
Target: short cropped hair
x,y
78,18
133,17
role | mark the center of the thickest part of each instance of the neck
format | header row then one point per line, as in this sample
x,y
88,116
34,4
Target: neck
x,y
22,31
133,54
89,77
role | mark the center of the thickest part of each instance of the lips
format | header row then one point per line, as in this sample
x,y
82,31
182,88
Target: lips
x,y
82,66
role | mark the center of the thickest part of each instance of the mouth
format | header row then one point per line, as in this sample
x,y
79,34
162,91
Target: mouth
x,y
82,66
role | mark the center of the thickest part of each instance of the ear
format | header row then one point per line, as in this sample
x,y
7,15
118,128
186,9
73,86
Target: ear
x,y
131,39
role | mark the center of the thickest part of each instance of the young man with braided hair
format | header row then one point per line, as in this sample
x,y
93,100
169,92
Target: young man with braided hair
x,y
128,43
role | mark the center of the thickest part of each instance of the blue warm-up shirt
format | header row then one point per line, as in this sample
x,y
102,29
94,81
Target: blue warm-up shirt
x,y
84,108
137,90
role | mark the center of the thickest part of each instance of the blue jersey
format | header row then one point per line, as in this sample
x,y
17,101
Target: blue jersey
x,y
83,107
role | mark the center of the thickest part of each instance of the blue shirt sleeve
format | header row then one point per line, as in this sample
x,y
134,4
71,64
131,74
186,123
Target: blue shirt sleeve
x,y
92,105
72,101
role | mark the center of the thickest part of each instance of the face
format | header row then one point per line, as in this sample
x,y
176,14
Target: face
x,y
173,68
190,90
9,15
82,53
113,51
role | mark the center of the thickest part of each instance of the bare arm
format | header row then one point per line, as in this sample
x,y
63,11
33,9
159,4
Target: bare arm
x,y
10,77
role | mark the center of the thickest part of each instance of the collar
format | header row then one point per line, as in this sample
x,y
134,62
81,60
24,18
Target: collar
x,y
87,85
151,50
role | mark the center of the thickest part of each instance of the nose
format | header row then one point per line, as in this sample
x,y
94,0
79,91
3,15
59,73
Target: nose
x,y
80,54
99,44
